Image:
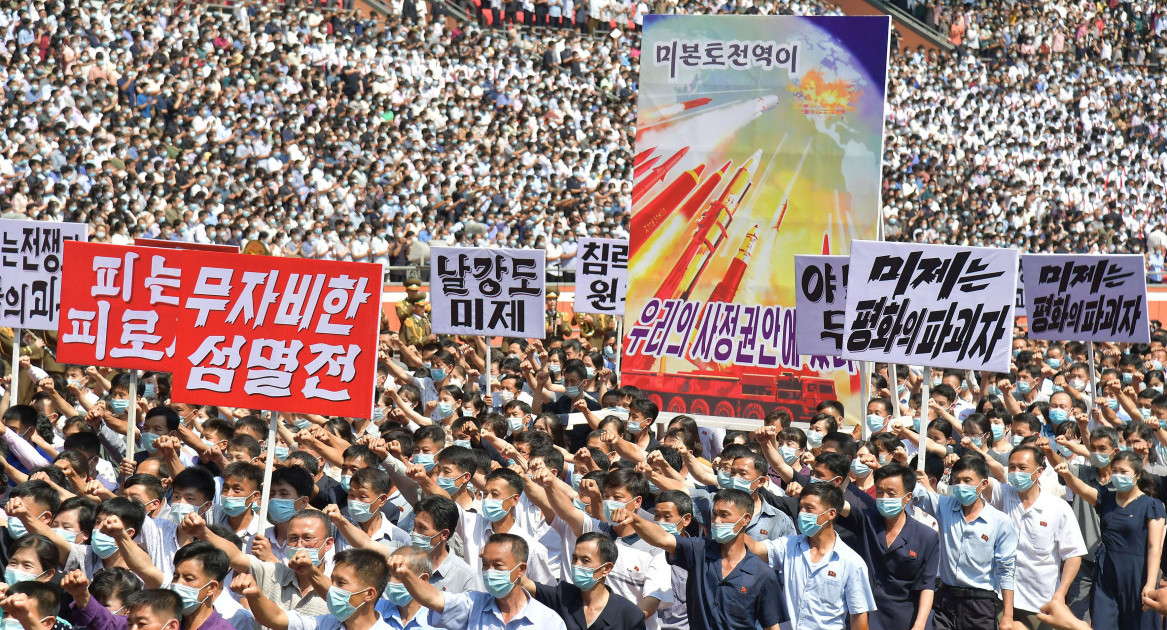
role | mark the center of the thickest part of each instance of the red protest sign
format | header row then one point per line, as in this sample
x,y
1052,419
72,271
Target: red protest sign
x,y
279,333
119,306
203,247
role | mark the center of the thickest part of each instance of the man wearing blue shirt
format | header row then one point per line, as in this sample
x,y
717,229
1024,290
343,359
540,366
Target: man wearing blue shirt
x,y
824,582
902,554
729,587
978,550
504,565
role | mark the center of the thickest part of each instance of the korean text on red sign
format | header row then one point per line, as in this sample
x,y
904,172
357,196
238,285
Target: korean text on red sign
x,y
278,333
120,306
601,276
487,291
1087,297
31,256
937,305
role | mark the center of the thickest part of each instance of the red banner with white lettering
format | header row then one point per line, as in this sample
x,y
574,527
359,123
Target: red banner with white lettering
x,y
258,332
119,306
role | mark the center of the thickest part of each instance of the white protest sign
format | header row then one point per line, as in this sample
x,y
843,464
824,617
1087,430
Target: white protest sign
x,y
601,276
488,291
1019,303
1084,297
937,305
820,299
31,254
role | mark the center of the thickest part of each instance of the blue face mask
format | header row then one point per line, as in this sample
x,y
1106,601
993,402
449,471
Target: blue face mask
x,y
1023,387
119,406
611,506
967,495
724,532
1123,483
1127,378
398,594
179,511
147,440
576,479
516,425
425,460
671,528
497,582
445,409
789,454
590,371
579,505
1058,389
936,381
1054,363
1017,440
724,480
874,422
554,368
1100,460
425,543
1058,416
889,507
13,576
462,443
449,484
808,523
103,544
281,453
1022,481
16,529
583,577
281,510
1156,365
977,441
994,390
339,605
634,427
189,596
148,390
313,553
1112,403
346,481
998,431
572,391
360,511
378,414
814,439
493,510
66,534
745,485
437,374
234,506
859,468
302,424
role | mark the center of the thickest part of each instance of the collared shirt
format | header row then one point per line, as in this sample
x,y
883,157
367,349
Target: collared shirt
x,y
453,575
567,600
1047,535
475,529
279,584
479,611
770,523
980,554
822,594
898,571
297,621
391,615
748,596
385,533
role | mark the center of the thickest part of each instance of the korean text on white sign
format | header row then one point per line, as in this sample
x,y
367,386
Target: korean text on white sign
x,y
1087,298
601,276
487,291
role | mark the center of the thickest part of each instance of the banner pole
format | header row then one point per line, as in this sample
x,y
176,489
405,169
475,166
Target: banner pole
x,y
925,397
1093,372
619,348
132,417
268,466
865,397
14,384
486,340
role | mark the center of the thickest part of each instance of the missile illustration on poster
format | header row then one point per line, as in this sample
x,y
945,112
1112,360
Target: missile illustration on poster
x,y
758,138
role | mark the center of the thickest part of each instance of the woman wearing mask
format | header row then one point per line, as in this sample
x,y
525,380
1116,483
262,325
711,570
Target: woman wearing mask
x,y
1128,557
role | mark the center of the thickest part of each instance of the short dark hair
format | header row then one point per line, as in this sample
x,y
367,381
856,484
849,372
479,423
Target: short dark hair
x,y
629,479
44,549
165,603
646,407
131,513
837,463
369,565
213,560
678,498
375,479
25,415
896,469
433,432
245,443
46,595
827,493
152,483
300,480
86,441
198,479
459,457
604,544
116,582
366,454
244,470
512,479
738,498
974,463
1038,456
170,415
86,511
519,548
443,511
40,492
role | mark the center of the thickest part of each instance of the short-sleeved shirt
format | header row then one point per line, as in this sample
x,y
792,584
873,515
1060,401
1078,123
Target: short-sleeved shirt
x,y
454,575
278,583
822,594
567,600
479,611
297,621
898,571
748,596
981,554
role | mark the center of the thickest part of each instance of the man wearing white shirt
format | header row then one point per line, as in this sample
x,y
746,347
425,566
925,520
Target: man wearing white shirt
x,y
1050,545
504,489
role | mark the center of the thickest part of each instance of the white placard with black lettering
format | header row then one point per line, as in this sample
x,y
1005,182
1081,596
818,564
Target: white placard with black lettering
x,y
601,276
820,300
488,291
31,255
936,305
1074,297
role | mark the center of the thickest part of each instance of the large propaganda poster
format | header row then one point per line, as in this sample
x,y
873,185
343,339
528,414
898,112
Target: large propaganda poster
x,y
759,138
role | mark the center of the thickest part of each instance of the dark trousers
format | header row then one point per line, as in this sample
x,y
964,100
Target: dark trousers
x,y
1078,597
954,610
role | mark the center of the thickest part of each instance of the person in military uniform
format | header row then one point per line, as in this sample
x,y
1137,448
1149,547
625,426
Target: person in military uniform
x,y
415,329
557,322
412,292
592,327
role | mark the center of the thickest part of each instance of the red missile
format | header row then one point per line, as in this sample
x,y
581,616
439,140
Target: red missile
x,y
649,218
641,187
642,156
668,111
781,214
694,203
639,171
727,288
